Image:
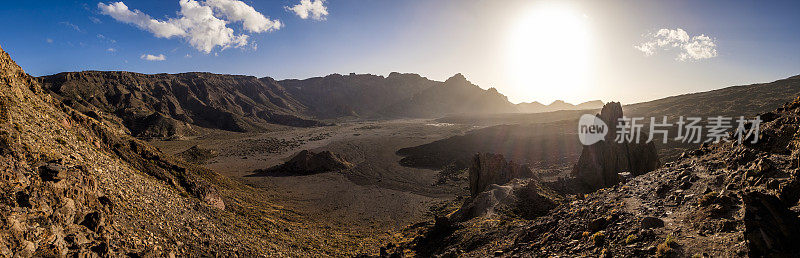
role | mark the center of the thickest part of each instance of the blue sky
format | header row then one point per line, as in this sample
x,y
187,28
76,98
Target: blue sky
x,y
752,42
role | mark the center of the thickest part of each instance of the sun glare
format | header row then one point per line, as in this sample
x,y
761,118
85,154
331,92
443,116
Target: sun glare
x,y
548,55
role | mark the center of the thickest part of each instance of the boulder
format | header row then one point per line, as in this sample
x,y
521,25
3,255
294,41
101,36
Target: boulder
x,y
652,222
487,169
600,164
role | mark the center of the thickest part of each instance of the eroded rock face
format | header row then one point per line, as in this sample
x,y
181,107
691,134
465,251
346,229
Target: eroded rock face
x,y
307,162
488,169
600,163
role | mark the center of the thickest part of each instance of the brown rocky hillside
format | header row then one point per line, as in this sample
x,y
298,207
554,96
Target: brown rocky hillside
x,y
166,105
74,186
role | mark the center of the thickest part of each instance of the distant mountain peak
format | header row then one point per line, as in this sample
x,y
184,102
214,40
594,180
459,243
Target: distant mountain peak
x,y
457,78
535,106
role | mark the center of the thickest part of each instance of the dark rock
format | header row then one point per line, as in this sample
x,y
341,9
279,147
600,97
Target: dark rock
x,y
651,222
597,224
51,172
93,221
23,199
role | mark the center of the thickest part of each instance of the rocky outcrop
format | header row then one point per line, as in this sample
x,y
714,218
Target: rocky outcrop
x,y
487,169
524,198
197,155
600,164
307,162
771,229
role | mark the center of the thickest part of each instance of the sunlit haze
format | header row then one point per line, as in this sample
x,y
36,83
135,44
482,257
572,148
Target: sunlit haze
x,y
548,54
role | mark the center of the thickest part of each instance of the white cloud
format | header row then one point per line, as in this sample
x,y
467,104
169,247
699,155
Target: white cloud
x,y
315,9
120,12
197,23
94,19
690,48
150,57
111,49
49,40
252,20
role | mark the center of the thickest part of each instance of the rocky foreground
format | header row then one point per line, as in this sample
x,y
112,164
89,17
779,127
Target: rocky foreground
x,y
720,200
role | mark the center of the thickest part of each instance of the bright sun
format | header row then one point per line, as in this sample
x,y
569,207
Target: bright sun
x,y
548,55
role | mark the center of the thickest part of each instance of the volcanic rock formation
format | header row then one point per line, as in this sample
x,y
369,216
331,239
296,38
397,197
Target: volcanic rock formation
x,y
600,164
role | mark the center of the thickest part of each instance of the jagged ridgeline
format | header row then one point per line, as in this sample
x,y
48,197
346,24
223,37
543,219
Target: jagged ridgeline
x,y
70,184
177,105
169,105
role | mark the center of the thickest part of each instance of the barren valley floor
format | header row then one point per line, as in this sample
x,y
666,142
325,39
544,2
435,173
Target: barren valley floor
x,y
376,199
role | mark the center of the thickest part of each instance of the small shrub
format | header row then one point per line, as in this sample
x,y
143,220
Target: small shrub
x,y
630,239
598,238
667,248
605,253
